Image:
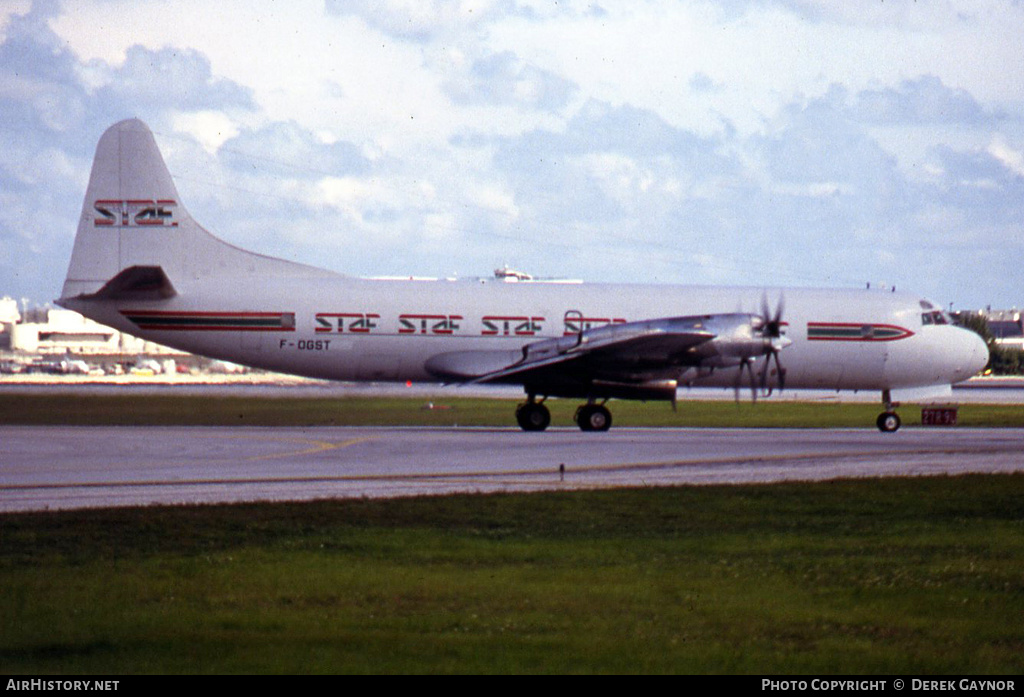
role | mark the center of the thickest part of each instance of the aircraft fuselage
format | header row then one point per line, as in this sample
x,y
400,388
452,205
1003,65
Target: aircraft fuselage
x,y
386,330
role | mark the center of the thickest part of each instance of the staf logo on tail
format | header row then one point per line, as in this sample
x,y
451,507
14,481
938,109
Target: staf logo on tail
x,y
135,213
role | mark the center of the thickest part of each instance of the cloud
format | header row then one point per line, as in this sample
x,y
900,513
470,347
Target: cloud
x,y
819,142
981,183
503,79
922,100
178,78
702,82
38,85
285,148
422,20
1011,157
617,189
620,183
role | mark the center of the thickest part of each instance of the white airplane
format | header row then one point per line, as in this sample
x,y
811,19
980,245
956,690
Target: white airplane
x,y
143,265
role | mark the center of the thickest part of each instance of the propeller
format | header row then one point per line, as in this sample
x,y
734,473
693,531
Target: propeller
x,y
760,335
771,330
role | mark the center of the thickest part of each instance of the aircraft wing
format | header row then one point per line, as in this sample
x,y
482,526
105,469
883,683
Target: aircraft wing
x,y
638,360
609,351
631,352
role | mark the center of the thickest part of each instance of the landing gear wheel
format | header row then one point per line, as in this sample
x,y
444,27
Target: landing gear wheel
x,y
888,421
533,416
593,417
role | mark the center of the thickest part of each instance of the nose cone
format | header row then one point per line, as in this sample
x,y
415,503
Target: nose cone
x,y
971,355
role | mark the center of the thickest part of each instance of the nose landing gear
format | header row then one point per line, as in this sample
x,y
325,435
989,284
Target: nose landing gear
x,y
888,421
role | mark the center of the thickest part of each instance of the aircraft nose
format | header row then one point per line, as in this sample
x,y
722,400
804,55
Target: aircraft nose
x,y
972,355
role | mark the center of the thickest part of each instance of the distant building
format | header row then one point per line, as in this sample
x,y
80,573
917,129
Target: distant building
x,y
1007,326
9,316
63,331
9,311
49,331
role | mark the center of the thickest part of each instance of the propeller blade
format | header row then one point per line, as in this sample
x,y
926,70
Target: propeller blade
x,y
780,374
745,363
781,371
765,389
753,383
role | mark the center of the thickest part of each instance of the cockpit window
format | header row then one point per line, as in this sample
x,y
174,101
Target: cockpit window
x,y
933,313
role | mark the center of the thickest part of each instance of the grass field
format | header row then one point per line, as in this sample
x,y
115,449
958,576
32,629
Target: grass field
x,y
138,409
920,576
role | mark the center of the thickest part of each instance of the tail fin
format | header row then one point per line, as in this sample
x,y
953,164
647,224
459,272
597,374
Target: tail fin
x,y
134,230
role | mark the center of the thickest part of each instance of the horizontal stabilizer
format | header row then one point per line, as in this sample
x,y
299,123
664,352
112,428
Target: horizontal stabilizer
x,y
136,283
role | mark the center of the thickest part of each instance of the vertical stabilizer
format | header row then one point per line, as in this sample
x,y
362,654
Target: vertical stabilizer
x,y
132,217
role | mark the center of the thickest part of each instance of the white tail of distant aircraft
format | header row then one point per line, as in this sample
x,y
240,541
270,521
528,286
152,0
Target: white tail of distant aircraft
x,y
143,265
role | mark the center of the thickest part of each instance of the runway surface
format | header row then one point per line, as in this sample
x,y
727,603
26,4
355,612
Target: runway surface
x,y
59,467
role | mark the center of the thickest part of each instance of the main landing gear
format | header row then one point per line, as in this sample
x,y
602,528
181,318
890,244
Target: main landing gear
x,y
888,421
534,416
593,417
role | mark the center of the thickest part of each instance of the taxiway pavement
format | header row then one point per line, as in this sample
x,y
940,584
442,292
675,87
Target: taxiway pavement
x,y
60,467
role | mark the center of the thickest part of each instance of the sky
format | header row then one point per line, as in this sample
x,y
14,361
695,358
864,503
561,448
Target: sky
x,y
740,142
